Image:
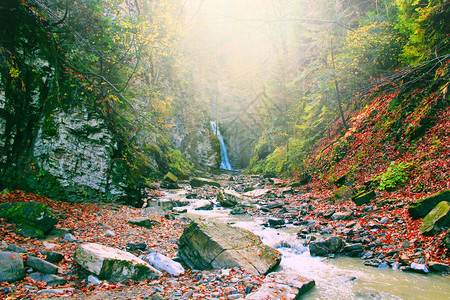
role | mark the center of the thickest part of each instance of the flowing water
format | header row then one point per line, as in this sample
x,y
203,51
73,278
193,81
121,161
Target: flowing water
x,y
226,165
338,278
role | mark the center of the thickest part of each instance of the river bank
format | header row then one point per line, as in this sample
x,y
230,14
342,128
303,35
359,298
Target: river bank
x,y
287,218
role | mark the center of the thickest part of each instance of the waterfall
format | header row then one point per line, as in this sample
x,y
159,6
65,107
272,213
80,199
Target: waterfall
x,y
223,148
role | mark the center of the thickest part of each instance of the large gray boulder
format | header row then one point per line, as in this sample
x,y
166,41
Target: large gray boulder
x,y
435,219
31,214
113,264
205,245
282,286
423,206
11,266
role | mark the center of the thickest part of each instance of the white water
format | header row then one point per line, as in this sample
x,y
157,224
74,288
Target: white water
x,y
226,165
339,278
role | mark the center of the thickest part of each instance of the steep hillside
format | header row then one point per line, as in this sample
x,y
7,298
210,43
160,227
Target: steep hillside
x,y
399,139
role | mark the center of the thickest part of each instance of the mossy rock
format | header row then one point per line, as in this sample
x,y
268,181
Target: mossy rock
x,y
423,206
29,232
170,181
364,197
198,182
438,217
33,215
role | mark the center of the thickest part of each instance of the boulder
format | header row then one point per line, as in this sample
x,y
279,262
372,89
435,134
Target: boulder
x,y
230,198
11,266
170,181
52,256
331,245
439,267
198,182
282,286
31,214
113,264
364,197
164,263
423,206
205,245
50,279
438,217
41,265
29,232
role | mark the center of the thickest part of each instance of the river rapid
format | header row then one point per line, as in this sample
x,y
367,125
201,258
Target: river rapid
x,y
336,278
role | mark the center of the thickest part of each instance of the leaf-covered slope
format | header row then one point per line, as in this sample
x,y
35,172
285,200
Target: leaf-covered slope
x,y
400,139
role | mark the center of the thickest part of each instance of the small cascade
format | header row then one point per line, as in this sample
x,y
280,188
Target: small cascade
x,y
223,148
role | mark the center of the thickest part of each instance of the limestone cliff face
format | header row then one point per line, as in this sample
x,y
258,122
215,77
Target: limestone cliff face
x,y
78,150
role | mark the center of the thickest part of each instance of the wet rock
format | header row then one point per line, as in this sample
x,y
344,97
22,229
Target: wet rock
x,y
423,206
50,279
226,200
52,256
437,217
199,182
144,222
332,245
373,262
205,245
113,264
364,197
11,266
164,263
282,286
41,265
439,267
418,268
30,214
170,181
339,216
275,222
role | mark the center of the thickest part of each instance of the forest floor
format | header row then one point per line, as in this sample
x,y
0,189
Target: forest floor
x,y
384,225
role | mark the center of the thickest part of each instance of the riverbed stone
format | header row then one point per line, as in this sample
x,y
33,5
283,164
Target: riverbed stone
x,y
113,264
436,218
30,214
49,279
439,267
211,245
331,245
423,206
41,265
199,182
11,266
164,263
282,286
